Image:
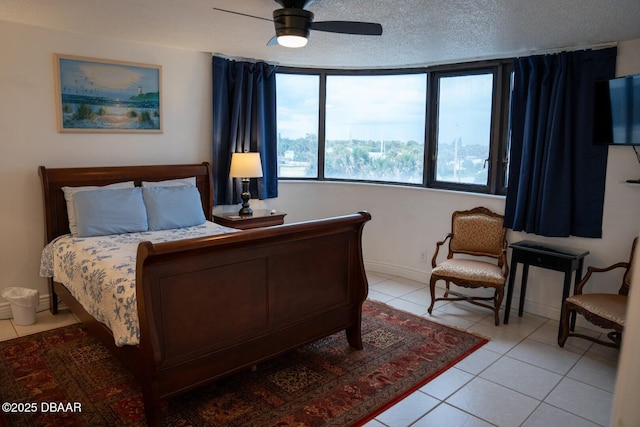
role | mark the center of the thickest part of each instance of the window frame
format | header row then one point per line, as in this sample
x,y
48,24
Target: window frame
x,y
499,132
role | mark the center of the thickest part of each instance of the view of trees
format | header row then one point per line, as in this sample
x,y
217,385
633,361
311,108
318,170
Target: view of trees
x,y
462,163
390,161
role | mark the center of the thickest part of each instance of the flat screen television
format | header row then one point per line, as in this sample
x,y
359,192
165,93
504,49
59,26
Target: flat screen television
x,y
617,111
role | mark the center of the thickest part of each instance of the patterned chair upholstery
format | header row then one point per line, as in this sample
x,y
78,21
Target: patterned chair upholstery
x,y
475,234
607,311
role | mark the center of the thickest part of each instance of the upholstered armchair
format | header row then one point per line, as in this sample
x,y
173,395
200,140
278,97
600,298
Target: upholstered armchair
x,y
476,237
607,311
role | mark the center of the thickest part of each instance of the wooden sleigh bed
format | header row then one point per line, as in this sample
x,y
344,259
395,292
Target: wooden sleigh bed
x,y
211,306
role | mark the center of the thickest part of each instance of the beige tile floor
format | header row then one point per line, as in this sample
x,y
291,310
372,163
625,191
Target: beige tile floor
x,y
520,378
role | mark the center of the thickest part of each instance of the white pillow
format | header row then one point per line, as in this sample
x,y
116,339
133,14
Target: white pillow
x,y
170,182
70,191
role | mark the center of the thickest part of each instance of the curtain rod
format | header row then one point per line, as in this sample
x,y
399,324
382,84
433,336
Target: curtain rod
x,y
460,61
567,49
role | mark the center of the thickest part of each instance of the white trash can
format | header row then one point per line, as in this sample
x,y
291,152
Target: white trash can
x,y
23,303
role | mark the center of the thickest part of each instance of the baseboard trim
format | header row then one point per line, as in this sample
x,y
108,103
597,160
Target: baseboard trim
x,y
397,270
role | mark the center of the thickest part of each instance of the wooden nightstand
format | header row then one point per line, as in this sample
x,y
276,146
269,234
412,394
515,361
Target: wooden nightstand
x,y
260,218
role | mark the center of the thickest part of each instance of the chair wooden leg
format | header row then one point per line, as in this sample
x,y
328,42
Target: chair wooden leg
x,y
564,325
446,292
499,295
432,290
616,337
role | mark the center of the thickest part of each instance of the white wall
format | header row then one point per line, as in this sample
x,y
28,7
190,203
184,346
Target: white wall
x,y
29,138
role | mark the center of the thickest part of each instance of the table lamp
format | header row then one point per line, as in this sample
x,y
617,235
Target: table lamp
x,y
245,166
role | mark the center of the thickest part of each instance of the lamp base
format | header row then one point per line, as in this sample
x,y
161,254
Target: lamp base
x,y
245,196
245,211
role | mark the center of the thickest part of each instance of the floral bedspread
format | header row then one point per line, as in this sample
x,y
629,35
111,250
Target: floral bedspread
x,y
100,272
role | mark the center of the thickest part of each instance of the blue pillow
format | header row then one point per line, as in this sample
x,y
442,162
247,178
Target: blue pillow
x,y
104,212
70,191
173,207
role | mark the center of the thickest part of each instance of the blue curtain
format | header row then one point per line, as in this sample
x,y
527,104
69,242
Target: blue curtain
x,y
556,174
244,119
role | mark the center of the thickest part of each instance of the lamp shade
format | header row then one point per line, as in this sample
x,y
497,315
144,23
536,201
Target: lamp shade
x,y
245,165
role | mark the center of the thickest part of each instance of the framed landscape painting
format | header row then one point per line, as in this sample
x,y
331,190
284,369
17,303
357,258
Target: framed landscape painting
x,y
97,95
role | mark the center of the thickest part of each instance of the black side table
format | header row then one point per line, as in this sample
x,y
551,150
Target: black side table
x,y
552,257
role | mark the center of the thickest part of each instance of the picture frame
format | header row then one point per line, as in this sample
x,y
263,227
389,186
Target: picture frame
x,y
107,96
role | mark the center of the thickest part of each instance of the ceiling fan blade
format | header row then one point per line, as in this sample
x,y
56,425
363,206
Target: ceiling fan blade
x,y
241,14
348,27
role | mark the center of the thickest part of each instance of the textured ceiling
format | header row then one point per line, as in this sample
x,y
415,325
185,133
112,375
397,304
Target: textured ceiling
x,y
416,32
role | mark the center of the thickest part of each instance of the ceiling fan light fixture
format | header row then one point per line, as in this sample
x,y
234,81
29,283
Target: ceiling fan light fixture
x,y
292,41
292,27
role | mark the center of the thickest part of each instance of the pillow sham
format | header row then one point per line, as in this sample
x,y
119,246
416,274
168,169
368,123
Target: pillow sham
x,y
170,182
111,211
173,207
70,191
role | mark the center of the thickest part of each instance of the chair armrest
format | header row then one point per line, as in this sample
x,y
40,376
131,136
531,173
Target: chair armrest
x,y
591,270
435,255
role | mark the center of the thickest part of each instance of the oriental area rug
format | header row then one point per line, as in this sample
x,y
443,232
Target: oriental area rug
x,y
65,377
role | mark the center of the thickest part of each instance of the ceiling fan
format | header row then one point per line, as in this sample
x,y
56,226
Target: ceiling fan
x,y
293,24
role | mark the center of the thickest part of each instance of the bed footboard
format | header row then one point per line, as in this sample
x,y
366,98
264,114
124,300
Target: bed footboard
x,y
212,306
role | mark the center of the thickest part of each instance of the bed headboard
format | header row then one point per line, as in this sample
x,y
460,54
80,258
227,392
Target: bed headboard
x,y
55,207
